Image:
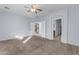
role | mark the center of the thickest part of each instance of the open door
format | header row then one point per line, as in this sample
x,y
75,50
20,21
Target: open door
x,y
58,28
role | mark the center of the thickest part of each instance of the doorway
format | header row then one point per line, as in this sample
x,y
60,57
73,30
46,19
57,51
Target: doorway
x,y
57,32
38,28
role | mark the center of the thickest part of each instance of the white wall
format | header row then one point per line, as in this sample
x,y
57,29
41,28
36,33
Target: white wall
x,y
12,24
73,33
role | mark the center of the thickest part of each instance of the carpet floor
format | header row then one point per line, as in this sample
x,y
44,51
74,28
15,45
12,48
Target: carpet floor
x,y
37,46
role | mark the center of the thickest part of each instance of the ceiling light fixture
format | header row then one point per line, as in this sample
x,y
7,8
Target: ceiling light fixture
x,y
34,8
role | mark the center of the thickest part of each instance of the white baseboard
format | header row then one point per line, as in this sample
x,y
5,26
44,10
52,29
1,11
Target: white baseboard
x,y
73,43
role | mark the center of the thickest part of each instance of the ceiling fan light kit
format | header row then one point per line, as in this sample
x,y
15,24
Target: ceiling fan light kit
x,y
33,10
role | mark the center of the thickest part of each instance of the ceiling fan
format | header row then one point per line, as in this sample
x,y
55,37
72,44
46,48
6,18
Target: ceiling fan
x,y
6,7
33,8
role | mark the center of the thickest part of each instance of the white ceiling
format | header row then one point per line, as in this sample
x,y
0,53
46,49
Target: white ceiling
x,y
19,8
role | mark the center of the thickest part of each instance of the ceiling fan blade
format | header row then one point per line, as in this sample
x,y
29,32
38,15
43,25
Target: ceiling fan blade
x,y
28,10
32,6
26,7
39,9
6,7
36,12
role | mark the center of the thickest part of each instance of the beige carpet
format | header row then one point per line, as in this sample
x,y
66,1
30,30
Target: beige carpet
x,y
37,46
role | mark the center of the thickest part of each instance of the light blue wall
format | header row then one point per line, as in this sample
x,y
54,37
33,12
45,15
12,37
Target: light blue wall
x,y
62,14
12,24
70,24
49,23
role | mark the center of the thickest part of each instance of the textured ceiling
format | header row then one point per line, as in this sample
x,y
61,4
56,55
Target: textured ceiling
x,y
19,8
